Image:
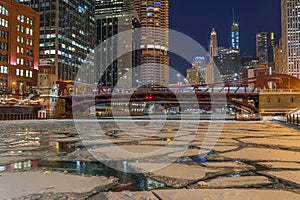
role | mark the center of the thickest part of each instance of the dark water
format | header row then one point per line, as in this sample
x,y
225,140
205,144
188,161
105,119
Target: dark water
x,y
127,181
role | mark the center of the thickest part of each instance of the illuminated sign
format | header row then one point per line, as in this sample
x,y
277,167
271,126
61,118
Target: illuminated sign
x,y
200,58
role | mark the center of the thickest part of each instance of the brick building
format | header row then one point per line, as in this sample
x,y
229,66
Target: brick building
x,y
19,46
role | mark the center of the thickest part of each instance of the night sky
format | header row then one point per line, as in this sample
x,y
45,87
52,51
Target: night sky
x,y
196,18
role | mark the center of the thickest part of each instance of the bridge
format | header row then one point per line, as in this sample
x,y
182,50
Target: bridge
x,y
241,94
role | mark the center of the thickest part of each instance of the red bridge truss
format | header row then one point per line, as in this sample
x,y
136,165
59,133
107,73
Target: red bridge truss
x,y
243,93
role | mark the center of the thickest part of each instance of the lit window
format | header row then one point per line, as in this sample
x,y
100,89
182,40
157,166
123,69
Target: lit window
x,y
18,72
3,11
3,69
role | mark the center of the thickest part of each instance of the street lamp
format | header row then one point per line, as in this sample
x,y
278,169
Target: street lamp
x,y
178,75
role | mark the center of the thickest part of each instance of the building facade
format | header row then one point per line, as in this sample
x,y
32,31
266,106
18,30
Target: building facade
x,y
19,46
290,24
193,76
228,63
262,46
154,18
249,65
279,59
197,74
112,18
67,32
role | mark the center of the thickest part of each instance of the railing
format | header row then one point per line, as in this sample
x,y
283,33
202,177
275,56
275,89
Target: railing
x,y
280,91
110,91
293,119
17,116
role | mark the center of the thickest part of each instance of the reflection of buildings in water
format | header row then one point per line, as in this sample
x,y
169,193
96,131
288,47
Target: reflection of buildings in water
x,y
20,165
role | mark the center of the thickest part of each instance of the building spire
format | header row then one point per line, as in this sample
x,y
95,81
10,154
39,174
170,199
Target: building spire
x,y
233,19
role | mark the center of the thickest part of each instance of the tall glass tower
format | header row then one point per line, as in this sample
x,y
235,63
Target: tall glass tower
x,y
262,47
290,24
67,32
235,37
114,17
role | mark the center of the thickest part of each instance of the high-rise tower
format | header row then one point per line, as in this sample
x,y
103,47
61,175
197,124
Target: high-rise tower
x,y
262,47
290,24
213,51
272,47
113,18
154,18
67,32
213,46
235,37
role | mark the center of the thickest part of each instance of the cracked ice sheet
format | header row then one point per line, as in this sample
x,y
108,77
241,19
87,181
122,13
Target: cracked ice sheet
x,y
179,171
126,195
225,194
263,154
235,165
281,165
282,142
292,176
15,185
243,181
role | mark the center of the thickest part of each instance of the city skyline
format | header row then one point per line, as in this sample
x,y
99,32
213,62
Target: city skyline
x,y
252,17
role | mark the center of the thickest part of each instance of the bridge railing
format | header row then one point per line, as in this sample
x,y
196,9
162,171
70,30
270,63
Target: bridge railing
x,y
279,91
293,119
110,91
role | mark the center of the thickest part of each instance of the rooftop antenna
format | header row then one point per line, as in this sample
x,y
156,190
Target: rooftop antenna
x,y
233,20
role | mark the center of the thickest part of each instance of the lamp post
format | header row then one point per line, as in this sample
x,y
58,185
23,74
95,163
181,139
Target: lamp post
x,y
178,75
14,87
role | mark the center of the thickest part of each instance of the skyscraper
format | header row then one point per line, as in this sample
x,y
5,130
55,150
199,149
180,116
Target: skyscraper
x,y
272,48
213,46
228,63
154,18
262,47
112,18
290,16
111,6
67,32
213,51
235,37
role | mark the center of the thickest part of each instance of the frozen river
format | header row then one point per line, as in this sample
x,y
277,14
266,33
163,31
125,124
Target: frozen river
x,y
168,154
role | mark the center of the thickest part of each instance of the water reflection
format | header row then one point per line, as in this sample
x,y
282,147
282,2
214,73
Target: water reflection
x,y
20,165
128,181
